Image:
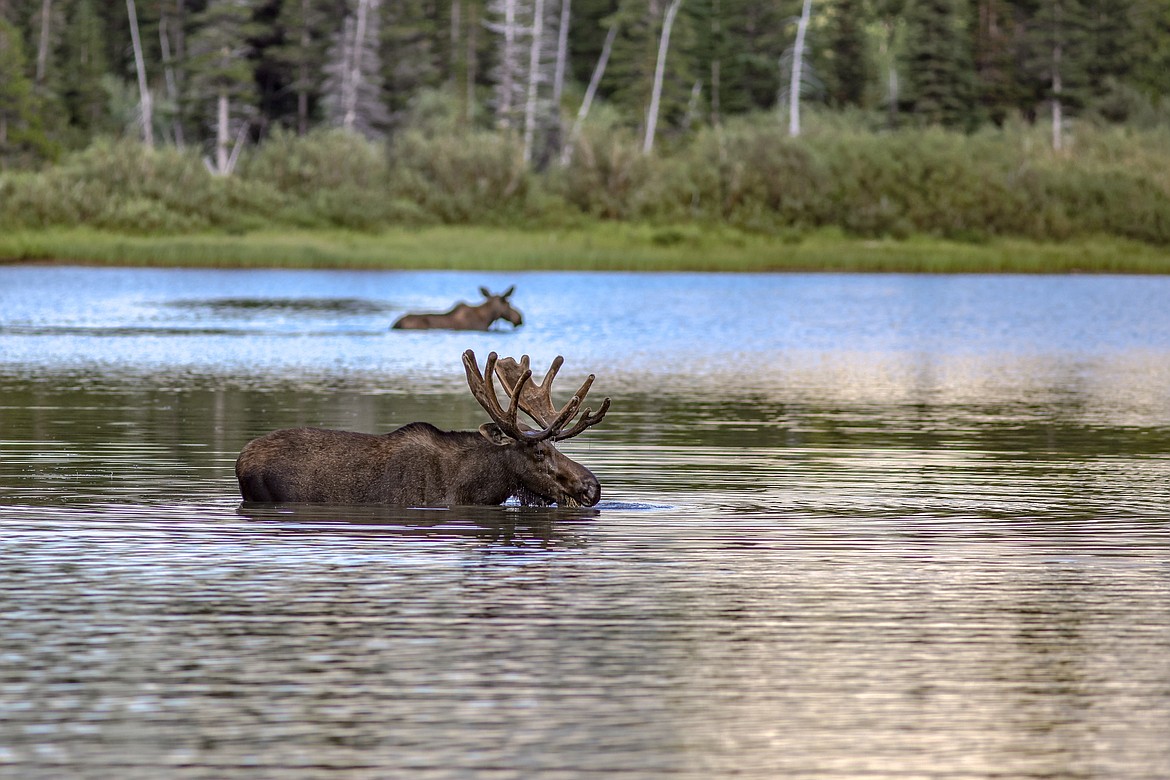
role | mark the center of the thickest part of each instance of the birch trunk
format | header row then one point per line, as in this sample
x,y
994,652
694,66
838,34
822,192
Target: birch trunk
x,y
43,44
659,72
472,45
453,38
147,109
1057,108
716,65
533,77
509,62
562,55
594,81
797,66
354,77
221,135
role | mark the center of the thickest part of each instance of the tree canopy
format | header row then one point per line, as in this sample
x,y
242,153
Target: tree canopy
x,y
218,70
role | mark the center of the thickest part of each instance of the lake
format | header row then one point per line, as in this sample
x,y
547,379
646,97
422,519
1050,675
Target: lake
x,y
877,526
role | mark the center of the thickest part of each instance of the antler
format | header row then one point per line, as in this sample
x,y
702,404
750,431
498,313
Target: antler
x,y
485,392
536,399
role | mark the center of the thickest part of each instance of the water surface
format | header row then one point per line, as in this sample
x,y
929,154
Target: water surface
x,y
852,526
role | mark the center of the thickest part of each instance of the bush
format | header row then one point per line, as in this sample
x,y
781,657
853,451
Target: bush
x,y
748,175
608,176
752,175
472,176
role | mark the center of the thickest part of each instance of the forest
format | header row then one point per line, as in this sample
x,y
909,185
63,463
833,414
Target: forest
x,y
1043,119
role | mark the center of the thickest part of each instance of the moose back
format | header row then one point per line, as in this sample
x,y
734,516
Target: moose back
x,y
421,465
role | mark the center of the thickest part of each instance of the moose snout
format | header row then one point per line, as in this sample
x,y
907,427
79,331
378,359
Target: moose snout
x,y
589,491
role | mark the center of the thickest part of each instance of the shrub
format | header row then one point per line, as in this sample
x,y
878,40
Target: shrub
x,y
472,176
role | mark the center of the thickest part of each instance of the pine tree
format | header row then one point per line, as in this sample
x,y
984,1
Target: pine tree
x,y
412,53
1150,73
1112,39
1000,85
939,63
20,130
223,74
847,70
299,54
1059,51
753,36
85,62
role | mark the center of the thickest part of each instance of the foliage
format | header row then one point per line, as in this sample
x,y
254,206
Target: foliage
x,y
747,175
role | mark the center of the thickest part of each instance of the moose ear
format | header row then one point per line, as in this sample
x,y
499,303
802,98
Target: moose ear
x,y
484,291
508,292
494,434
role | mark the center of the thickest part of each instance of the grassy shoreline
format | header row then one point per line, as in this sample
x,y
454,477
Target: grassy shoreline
x,y
596,247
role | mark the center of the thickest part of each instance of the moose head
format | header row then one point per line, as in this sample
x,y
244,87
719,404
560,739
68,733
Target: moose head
x,y
497,307
548,475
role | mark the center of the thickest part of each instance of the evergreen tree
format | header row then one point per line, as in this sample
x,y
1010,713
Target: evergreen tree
x,y
1058,59
1111,40
846,71
223,74
298,56
1000,84
741,50
412,53
85,63
1150,73
939,64
20,130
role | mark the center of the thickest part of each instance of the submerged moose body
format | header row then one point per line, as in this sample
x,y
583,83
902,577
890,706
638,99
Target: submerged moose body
x,y
421,465
466,317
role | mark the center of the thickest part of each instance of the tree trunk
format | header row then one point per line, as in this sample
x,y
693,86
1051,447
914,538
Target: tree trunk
x,y
143,89
172,83
659,72
533,78
562,55
1057,108
303,73
1057,86
43,45
594,81
716,65
354,77
221,135
472,44
505,109
797,65
453,36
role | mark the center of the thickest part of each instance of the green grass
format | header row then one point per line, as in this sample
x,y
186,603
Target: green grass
x,y
599,246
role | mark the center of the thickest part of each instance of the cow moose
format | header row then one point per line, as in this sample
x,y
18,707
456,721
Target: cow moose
x,y
420,465
466,317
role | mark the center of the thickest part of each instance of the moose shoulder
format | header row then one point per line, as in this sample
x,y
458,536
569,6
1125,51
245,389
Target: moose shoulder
x,y
421,465
466,317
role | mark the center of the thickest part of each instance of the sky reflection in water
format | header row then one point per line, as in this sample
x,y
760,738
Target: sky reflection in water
x,y
880,526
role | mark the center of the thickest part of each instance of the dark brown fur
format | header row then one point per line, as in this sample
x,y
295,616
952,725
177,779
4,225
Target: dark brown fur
x,y
416,465
466,317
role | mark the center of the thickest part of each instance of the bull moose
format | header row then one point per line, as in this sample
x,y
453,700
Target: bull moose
x,y
464,316
420,465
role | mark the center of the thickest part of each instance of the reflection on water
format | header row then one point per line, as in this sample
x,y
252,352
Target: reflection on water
x,y
896,527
